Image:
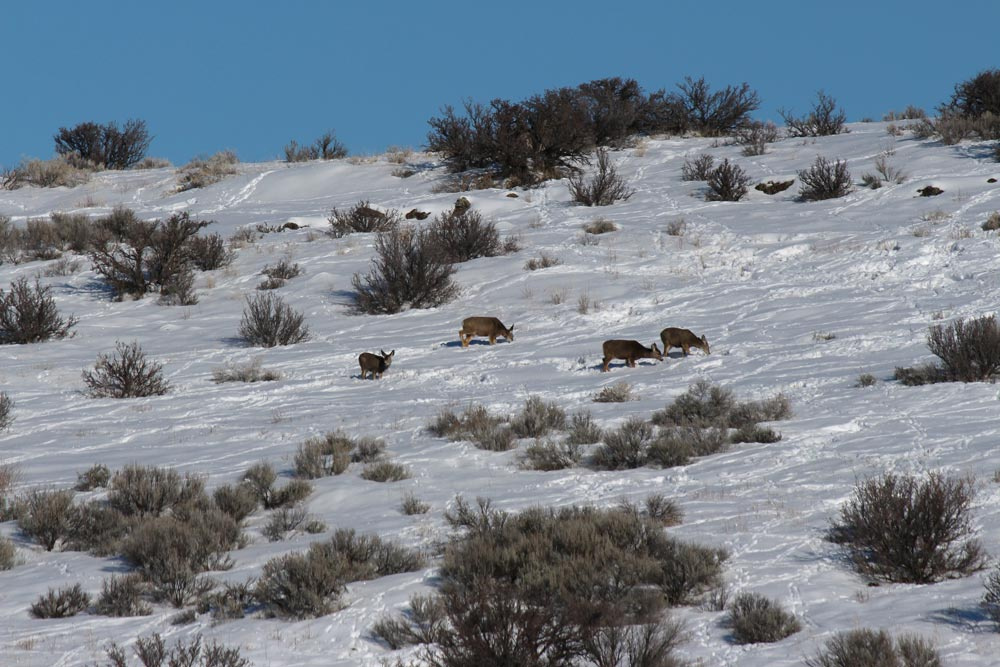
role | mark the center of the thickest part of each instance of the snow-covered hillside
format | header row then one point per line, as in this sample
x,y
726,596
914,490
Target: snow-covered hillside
x,y
798,298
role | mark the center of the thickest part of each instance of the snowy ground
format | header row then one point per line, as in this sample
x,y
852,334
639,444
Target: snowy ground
x,y
799,298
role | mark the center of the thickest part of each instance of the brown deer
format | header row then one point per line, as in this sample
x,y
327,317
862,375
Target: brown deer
x,y
484,326
629,350
375,364
684,339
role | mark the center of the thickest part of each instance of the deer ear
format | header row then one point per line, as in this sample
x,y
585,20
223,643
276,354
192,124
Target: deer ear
x,y
392,353
511,328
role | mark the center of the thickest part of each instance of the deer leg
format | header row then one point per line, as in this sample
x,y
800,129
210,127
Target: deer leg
x,y
604,369
493,339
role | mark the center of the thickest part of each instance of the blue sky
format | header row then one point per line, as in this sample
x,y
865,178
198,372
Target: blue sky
x,y
250,76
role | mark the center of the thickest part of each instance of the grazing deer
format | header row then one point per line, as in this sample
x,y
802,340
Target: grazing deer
x,y
375,364
684,339
484,326
629,350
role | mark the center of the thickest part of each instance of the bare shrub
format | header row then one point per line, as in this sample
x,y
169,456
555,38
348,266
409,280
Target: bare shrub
x,y
619,392
423,624
698,169
63,267
871,648
411,505
605,188
703,405
755,136
250,371
153,652
76,232
551,455
825,180
714,114
911,112
533,589
823,119
644,645
292,493
362,218
727,182
136,257
407,271
310,584
969,349
327,147
543,261
990,600
29,315
6,416
61,603
992,222
325,455
461,236
98,529
582,430
96,476
138,490
8,554
105,145
122,596
755,433
229,603
368,450
663,510
538,418
238,501
173,551
866,380
385,471
600,226
209,252
268,322
127,374
54,173
283,521
902,529
626,447
977,96
47,516
202,172
757,619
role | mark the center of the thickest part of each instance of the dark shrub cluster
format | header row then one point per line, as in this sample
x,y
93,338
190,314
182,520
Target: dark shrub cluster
x,y
538,418
268,322
755,136
385,471
327,147
136,257
362,218
823,119
553,131
875,648
757,619
977,96
309,584
702,421
46,516
604,188
727,182
547,455
904,529
141,491
279,274
260,479
459,236
208,253
554,587
825,180
122,595
6,411
475,424
28,314
969,351
105,145
61,603
582,429
407,272
126,374
698,168
96,476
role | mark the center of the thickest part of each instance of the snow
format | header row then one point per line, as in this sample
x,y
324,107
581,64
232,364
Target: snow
x,y
768,280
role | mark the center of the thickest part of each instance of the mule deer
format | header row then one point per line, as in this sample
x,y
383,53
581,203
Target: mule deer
x,y
684,339
375,364
629,350
484,326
